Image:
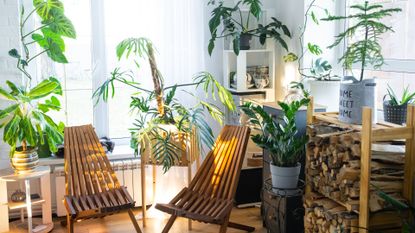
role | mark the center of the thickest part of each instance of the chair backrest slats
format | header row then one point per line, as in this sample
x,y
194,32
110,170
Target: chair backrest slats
x,y
89,173
231,167
225,159
96,153
207,169
87,168
82,168
230,191
219,173
104,158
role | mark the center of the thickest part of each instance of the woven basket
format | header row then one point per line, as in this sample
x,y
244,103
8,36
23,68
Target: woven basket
x,y
394,114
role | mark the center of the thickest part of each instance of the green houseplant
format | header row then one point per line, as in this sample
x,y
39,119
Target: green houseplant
x,y
158,111
363,34
395,109
239,30
323,84
280,139
25,121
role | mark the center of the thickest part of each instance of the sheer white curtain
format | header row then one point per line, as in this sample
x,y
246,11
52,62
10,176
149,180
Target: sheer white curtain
x,y
176,29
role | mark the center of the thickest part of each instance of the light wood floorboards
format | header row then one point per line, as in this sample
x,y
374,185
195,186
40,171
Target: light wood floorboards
x,y
121,223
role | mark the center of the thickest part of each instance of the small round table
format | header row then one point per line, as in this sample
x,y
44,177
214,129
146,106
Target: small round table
x,y
42,173
283,210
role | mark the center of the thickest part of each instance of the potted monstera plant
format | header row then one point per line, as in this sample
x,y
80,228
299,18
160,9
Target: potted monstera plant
x,y
237,29
364,49
25,120
280,139
160,115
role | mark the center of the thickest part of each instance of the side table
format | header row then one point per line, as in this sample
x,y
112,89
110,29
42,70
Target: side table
x,y
42,173
283,210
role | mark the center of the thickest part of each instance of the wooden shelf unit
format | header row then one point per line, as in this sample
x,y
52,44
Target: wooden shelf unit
x,y
370,133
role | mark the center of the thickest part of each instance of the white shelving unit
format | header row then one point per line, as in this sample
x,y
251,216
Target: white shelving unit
x,y
258,56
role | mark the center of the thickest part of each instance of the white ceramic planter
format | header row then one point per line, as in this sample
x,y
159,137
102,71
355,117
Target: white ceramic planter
x,y
285,177
326,93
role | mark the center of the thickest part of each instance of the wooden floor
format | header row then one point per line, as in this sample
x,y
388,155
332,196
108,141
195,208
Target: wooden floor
x,y
121,223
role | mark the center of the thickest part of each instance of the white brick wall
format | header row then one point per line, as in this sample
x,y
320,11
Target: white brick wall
x,y
9,35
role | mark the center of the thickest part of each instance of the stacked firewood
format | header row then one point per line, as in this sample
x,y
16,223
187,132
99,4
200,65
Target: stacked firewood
x,y
323,215
333,167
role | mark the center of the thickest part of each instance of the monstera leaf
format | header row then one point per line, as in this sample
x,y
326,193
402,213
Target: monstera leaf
x,y
45,7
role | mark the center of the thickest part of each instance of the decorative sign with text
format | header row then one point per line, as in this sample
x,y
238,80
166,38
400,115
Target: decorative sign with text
x,y
353,96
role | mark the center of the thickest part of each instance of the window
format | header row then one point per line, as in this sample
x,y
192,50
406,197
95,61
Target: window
x,y
398,49
75,76
100,26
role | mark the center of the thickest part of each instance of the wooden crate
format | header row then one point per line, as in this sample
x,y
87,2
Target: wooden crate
x,y
369,133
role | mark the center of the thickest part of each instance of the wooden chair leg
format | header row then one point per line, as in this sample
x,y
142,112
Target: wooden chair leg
x,y
224,226
134,221
241,227
169,224
69,222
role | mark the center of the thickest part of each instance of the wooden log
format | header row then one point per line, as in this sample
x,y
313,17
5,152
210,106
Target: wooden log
x,y
334,167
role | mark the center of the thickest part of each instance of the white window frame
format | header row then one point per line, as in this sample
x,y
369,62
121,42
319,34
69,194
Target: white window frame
x,y
391,65
99,65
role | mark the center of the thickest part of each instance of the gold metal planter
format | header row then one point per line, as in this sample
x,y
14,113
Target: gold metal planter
x,y
24,161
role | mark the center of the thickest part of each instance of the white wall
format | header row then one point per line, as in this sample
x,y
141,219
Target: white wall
x,y
9,37
213,64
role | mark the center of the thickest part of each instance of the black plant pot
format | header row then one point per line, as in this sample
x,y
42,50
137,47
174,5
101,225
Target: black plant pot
x,y
244,41
394,114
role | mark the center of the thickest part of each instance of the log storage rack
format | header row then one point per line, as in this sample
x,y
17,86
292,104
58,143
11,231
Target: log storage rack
x,y
356,215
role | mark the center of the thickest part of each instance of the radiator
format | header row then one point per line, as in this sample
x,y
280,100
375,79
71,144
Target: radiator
x,y
128,172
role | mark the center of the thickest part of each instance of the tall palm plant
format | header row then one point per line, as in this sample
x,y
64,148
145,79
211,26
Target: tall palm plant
x,y
151,120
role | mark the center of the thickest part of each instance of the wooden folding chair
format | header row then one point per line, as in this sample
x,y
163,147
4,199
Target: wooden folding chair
x,y
92,188
209,197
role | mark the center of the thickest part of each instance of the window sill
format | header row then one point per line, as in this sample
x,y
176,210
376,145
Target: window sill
x,y
120,152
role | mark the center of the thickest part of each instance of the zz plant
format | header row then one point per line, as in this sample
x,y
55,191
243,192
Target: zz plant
x,y
278,137
159,107
235,26
25,121
365,50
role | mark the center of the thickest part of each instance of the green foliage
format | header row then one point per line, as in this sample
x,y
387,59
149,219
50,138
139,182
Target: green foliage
x,y
290,57
314,49
150,125
366,50
401,207
26,117
278,137
25,121
320,69
235,26
407,97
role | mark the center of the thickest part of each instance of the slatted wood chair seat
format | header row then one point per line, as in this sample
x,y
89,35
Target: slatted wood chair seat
x,y
210,195
214,212
100,203
92,188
